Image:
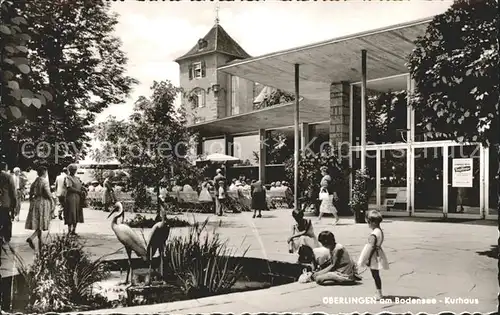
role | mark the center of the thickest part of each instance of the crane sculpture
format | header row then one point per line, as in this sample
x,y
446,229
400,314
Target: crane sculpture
x,y
128,238
158,238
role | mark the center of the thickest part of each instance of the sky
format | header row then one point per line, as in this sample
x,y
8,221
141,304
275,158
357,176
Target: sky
x,y
155,33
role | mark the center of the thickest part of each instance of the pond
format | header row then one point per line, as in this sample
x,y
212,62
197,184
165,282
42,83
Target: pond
x,y
257,274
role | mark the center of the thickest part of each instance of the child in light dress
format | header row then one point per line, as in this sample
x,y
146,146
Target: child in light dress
x,y
373,255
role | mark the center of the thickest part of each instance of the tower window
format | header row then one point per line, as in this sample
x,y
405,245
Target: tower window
x,y
202,44
197,70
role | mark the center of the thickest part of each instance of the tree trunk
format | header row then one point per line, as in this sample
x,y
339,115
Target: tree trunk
x,y
158,206
498,220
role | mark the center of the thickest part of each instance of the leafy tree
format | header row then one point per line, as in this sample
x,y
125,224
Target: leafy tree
x,y
73,54
456,69
386,114
154,142
16,99
275,98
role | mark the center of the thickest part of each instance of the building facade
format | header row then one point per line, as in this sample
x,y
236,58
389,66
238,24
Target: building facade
x,y
352,94
208,93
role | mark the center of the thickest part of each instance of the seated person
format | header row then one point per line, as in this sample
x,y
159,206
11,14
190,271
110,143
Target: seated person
x,y
318,258
176,187
233,186
187,188
341,268
273,187
302,233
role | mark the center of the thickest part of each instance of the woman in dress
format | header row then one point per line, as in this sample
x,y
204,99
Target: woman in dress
x,y
302,233
73,211
341,268
327,203
205,195
258,198
40,210
108,197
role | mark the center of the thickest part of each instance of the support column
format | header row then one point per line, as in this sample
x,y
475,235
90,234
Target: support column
x,y
296,138
339,136
228,145
364,98
410,160
340,117
262,156
305,135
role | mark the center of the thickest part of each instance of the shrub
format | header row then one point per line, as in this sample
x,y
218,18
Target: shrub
x,y
61,276
140,221
310,174
203,264
359,201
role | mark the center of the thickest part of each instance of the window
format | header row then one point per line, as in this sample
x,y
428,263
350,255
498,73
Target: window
x,y
197,98
197,70
202,44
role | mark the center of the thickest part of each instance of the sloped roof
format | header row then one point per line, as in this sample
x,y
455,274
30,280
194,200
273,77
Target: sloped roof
x,y
218,40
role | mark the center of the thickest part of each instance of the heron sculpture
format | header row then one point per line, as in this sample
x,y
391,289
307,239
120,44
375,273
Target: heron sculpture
x,y
158,238
128,238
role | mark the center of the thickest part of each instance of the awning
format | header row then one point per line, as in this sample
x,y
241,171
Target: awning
x,y
334,60
219,157
267,118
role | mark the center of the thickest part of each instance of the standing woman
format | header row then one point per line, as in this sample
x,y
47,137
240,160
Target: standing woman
x,y
73,211
258,198
327,202
41,204
109,197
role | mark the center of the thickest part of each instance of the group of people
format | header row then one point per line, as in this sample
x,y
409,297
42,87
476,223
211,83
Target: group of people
x,y
256,190
68,190
330,261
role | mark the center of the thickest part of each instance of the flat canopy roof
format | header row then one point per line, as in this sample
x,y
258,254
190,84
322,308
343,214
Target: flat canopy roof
x,y
334,60
267,118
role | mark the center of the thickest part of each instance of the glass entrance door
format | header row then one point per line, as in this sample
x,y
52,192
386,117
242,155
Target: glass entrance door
x,y
465,182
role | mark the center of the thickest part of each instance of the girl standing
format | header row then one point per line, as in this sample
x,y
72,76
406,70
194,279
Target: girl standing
x,y
373,255
327,201
40,210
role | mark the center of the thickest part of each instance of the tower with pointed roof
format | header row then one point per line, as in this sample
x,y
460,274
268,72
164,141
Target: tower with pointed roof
x,y
209,94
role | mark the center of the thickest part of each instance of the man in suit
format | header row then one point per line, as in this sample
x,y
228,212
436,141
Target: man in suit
x,y
8,203
219,201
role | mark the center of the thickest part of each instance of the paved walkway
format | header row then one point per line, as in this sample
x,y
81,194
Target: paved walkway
x,y
444,261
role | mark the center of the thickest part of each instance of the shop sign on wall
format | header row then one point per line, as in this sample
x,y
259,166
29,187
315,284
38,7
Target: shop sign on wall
x,y
462,173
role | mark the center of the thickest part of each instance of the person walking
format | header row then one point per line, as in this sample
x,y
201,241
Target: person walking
x,y
258,198
41,205
109,197
220,191
73,208
327,196
61,191
8,203
20,183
